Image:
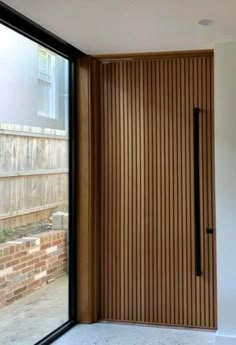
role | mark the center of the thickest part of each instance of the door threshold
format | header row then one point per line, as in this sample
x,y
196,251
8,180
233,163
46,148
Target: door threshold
x,y
154,325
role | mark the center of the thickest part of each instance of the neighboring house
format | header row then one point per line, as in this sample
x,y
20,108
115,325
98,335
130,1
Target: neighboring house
x,y
39,91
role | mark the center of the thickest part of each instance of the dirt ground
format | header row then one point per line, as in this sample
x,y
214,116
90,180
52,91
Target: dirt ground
x,y
27,230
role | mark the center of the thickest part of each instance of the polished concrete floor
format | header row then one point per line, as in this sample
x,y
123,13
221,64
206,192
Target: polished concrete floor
x,y
31,318
116,334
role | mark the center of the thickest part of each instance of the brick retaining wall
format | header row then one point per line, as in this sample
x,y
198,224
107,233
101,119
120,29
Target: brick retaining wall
x,y
29,263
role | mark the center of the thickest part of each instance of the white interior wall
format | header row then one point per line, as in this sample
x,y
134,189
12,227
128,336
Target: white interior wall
x,y
225,158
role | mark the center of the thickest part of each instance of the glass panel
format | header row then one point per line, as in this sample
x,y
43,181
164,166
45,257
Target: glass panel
x,y
34,189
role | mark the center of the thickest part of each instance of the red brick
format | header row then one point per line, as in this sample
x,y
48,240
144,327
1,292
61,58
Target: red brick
x,y
29,243
6,296
45,257
55,243
20,254
2,286
19,267
33,262
34,284
13,299
53,259
45,246
51,270
40,264
4,250
30,264
12,249
26,258
43,268
20,290
6,259
28,269
12,263
2,279
37,254
20,247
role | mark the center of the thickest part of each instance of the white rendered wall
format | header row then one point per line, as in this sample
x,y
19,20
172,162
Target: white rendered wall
x,y
19,83
225,158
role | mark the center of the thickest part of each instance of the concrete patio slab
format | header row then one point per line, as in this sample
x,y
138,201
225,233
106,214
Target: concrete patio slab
x,y
31,318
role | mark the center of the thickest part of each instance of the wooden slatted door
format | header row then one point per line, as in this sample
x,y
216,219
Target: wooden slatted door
x,y
148,239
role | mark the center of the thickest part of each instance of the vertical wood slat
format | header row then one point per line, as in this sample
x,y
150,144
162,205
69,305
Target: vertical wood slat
x,y
138,187
125,200
175,206
142,207
148,261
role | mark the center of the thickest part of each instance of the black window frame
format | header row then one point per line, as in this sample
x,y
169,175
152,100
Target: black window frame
x,y
21,24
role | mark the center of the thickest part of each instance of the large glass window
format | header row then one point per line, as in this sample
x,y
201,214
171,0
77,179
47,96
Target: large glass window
x,y
33,188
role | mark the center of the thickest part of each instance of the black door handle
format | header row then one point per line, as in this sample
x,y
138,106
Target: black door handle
x,y
197,191
210,231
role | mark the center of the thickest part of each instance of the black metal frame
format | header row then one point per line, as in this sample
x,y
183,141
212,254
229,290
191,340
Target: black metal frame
x,y
35,32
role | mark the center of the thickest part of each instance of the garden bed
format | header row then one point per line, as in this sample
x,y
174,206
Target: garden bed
x,y
12,234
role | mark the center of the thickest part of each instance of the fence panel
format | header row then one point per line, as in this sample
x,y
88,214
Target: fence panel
x,y
33,172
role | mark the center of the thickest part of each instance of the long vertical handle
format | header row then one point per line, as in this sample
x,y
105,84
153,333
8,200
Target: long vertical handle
x,y
197,191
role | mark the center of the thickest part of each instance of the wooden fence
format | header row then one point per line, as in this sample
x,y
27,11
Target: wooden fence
x,y
33,173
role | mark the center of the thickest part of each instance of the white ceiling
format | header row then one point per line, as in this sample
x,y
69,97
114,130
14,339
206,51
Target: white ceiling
x,y
124,26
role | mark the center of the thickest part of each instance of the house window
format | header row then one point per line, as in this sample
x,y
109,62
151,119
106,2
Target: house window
x,y
46,84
